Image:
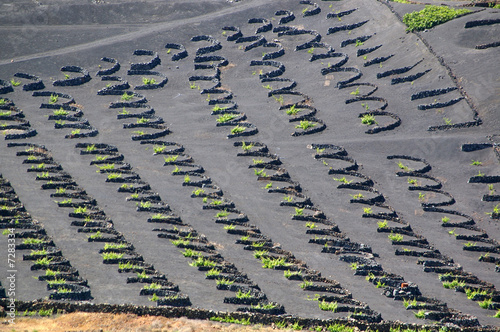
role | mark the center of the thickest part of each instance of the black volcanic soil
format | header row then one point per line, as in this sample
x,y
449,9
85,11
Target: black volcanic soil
x,y
41,37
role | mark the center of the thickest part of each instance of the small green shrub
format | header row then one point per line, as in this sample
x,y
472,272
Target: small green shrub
x,y
237,130
304,125
201,261
328,306
289,273
226,117
127,97
395,237
111,255
292,110
420,314
148,81
270,263
486,303
368,119
452,284
224,281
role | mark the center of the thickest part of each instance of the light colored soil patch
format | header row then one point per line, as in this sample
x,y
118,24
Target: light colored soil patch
x,y
94,322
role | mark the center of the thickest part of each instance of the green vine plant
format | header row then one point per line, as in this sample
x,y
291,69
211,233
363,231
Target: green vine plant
x,y
368,120
431,16
304,125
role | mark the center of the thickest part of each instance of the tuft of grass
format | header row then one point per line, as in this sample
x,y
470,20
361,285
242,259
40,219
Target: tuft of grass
x,y
222,214
231,320
170,159
486,303
420,314
476,163
45,312
305,284
113,176
159,148
148,81
201,261
212,272
311,225
299,212
176,169
343,180
260,173
51,273
53,99
153,285
96,235
472,293
45,261
328,306
111,255
382,224
339,328
267,306
408,302
56,281
259,254
14,82
241,295
190,253
114,246
125,266
368,119
218,108
246,147
237,130
289,273
126,96
226,117
60,112
395,237
496,210
452,284
270,263
32,241
304,125
224,281
293,110
198,192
